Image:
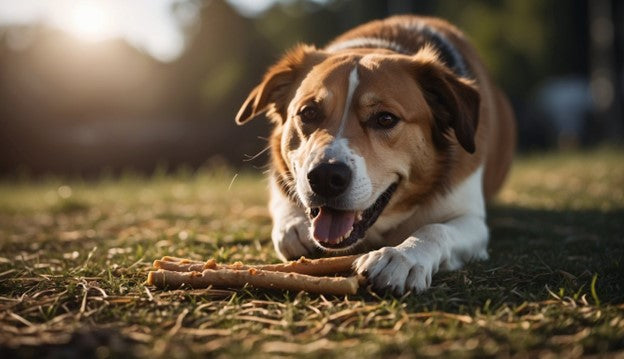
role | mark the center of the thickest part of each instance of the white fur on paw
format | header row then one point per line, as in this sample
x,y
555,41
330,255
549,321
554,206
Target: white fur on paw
x,y
390,269
291,239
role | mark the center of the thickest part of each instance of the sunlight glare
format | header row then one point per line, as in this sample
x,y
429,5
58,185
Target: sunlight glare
x,y
90,21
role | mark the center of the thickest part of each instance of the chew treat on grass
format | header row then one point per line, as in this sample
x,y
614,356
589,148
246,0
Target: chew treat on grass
x,y
297,275
254,277
321,266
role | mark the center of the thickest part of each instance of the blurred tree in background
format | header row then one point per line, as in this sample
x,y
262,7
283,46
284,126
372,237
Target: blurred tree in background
x,y
72,107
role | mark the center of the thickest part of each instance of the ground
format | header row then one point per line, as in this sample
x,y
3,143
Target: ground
x,y
74,256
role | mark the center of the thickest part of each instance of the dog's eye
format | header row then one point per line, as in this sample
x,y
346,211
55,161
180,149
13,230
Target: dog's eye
x,y
383,120
309,114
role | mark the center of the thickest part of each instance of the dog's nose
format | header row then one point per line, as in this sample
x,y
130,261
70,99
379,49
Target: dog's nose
x,y
329,179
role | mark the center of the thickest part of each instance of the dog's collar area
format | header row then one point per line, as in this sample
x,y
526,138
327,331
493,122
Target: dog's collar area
x,y
365,220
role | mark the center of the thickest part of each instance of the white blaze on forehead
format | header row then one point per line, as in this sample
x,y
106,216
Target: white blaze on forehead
x,y
353,83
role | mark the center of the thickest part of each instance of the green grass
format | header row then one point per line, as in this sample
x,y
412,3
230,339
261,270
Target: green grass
x,y
74,255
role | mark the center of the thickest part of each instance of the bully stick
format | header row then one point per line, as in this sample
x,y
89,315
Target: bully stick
x,y
259,278
317,267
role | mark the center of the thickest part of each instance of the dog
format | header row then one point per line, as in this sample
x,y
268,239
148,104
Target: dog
x,y
388,142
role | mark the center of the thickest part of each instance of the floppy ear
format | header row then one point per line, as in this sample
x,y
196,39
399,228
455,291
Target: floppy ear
x,y
275,86
454,101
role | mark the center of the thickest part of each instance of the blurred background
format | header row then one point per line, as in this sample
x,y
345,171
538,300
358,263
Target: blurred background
x,y
90,87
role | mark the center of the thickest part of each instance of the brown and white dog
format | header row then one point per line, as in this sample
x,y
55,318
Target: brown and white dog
x,y
387,142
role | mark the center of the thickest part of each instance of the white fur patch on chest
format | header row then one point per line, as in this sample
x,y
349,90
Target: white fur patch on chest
x,y
465,199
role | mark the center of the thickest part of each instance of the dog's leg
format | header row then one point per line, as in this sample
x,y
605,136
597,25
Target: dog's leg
x,y
291,233
443,245
410,265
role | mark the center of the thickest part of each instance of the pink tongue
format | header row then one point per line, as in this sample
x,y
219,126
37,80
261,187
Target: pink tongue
x,y
331,224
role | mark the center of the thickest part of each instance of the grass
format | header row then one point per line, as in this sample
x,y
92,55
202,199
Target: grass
x,y
74,255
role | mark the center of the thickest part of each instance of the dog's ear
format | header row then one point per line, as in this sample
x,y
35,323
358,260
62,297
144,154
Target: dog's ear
x,y
454,100
276,85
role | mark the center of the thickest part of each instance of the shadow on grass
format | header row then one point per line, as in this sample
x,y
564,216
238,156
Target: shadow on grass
x,y
532,250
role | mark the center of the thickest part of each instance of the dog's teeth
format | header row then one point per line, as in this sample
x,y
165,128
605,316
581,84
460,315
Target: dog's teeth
x,y
340,239
358,217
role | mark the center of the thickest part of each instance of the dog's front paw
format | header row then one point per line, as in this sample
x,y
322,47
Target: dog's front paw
x,y
291,239
391,269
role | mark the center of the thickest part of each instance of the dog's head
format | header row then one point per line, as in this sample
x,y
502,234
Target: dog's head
x,y
354,130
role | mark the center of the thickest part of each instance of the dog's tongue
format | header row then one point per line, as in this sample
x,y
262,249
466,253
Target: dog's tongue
x,y
331,224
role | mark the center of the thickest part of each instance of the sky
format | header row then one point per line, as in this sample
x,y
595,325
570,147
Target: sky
x,y
146,24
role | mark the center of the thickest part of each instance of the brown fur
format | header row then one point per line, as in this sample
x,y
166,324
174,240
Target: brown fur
x,y
449,125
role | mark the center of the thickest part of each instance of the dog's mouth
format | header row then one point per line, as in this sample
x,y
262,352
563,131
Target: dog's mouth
x,y
334,228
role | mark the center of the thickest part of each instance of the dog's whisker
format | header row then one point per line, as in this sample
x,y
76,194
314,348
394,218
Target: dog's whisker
x,y
249,158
